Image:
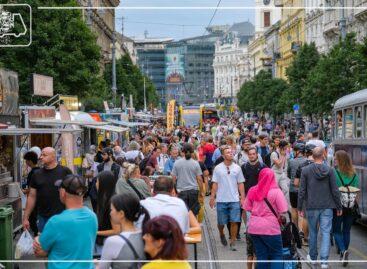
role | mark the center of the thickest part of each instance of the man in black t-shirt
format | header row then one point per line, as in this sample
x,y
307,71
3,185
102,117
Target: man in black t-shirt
x,y
43,191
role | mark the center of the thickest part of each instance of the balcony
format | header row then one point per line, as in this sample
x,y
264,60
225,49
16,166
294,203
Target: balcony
x,y
361,10
331,28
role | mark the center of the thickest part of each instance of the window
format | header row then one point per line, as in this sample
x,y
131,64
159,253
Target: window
x,y
339,124
266,19
358,122
348,121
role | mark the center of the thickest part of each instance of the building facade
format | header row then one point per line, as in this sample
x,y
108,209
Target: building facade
x,y
291,34
125,45
102,23
189,69
265,16
272,47
314,20
150,56
354,18
232,62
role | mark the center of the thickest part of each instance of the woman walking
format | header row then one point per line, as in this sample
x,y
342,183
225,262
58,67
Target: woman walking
x,y
345,176
266,202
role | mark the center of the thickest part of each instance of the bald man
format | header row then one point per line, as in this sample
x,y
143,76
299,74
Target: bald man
x,y
43,194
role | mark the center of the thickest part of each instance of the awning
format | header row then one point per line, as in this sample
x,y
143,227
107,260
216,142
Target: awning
x,y
55,122
128,124
110,128
26,131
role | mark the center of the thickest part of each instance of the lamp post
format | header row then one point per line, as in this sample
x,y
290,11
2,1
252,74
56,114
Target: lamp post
x,y
114,88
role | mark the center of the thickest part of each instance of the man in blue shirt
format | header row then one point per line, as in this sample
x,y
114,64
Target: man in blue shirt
x,y
171,161
71,234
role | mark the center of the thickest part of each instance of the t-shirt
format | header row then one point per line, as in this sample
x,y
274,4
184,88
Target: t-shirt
x,y
167,265
163,204
262,220
43,180
317,143
350,181
251,174
132,154
186,172
116,248
122,187
277,156
227,183
70,235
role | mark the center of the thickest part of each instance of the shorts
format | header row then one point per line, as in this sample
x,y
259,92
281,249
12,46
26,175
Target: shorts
x,y
191,199
293,197
249,246
228,212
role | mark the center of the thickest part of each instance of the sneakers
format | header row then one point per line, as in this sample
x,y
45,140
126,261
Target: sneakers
x,y
232,247
223,240
310,260
344,257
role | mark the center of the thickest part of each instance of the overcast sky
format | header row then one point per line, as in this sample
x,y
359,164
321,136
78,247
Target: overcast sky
x,y
139,20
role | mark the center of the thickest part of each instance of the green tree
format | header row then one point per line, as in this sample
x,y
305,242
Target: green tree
x,y
297,74
333,77
63,47
129,80
262,94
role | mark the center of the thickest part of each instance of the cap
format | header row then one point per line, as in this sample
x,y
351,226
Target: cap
x,y
299,147
36,150
309,148
72,184
109,151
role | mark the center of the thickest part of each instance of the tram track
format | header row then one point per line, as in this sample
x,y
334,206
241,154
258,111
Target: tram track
x,y
208,240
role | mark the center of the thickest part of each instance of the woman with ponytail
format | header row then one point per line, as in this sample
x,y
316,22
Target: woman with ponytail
x,y
128,245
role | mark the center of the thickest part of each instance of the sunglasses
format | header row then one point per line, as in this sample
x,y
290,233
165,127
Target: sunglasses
x,y
228,171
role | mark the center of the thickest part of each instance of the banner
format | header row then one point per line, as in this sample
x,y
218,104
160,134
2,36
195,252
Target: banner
x,y
9,93
170,115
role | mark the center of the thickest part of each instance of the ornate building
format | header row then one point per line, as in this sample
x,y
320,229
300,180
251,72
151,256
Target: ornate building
x,y
231,62
314,20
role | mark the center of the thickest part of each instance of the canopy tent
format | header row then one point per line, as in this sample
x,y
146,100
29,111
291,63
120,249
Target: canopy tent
x,y
128,124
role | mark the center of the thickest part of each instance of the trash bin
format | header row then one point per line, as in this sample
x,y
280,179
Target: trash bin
x,y
6,235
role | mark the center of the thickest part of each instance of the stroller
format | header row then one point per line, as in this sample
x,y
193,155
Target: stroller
x,y
291,241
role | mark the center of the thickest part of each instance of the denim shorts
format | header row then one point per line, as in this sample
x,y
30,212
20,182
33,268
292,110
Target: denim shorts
x,y
228,212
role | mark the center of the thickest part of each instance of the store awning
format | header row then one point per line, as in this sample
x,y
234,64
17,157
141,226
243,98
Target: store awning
x,y
128,124
55,122
26,131
110,128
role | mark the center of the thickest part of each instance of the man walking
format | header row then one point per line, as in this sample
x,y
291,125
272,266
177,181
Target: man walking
x,y
318,189
109,164
70,235
43,192
227,189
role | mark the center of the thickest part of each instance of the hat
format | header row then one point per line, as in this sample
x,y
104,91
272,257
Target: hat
x,y
299,147
36,150
72,184
108,151
246,141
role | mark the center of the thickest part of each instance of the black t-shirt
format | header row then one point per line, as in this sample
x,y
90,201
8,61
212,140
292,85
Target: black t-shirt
x,y
251,174
30,174
43,180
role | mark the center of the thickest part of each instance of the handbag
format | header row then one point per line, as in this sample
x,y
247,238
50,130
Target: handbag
x,y
281,219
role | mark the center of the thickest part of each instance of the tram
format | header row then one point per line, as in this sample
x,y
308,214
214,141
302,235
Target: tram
x,y
350,134
191,116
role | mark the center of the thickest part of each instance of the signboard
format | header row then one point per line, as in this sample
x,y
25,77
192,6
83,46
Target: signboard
x,y
296,108
70,102
170,115
175,68
43,85
9,92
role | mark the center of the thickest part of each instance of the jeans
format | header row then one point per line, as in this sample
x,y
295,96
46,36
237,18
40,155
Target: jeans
x,y
341,230
41,222
268,248
324,218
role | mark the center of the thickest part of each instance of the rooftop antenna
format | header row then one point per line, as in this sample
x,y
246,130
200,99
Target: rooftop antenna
x,y
146,34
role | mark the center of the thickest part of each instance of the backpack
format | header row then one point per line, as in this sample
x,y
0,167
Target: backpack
x,y
144,162
348,193
267,160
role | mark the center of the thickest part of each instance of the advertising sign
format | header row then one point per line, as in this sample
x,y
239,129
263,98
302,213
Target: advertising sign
x,y
43,85
175,68
170,114
70,102
9,92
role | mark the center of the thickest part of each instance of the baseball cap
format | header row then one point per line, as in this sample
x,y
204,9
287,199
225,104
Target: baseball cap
x,y
108,151
72,184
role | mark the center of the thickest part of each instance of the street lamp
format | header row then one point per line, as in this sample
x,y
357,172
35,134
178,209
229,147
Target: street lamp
x,y
114,88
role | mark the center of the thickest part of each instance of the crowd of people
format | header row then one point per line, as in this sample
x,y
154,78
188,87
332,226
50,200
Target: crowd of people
x,y
138,201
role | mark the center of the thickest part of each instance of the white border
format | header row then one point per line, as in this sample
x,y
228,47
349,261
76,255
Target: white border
x,y
30,26
190,261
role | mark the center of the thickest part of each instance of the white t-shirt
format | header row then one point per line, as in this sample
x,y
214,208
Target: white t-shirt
x,y
132,154
163,204
317,143
228,183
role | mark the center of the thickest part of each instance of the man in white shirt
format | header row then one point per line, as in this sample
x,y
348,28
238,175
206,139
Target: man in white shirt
x,y
316,141
226,191
163,203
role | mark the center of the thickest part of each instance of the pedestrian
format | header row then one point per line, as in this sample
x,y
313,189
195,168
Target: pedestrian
x,y
105,186
127,245
187,176
31,159
70,235
263,147
346,177
109,164
293,165
318,189
174,153
266,202
162,157
217,153
88,163
43,193
164,242
316,141
98,157
133,154
279,164
242,157
133,183
251,171
227,190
